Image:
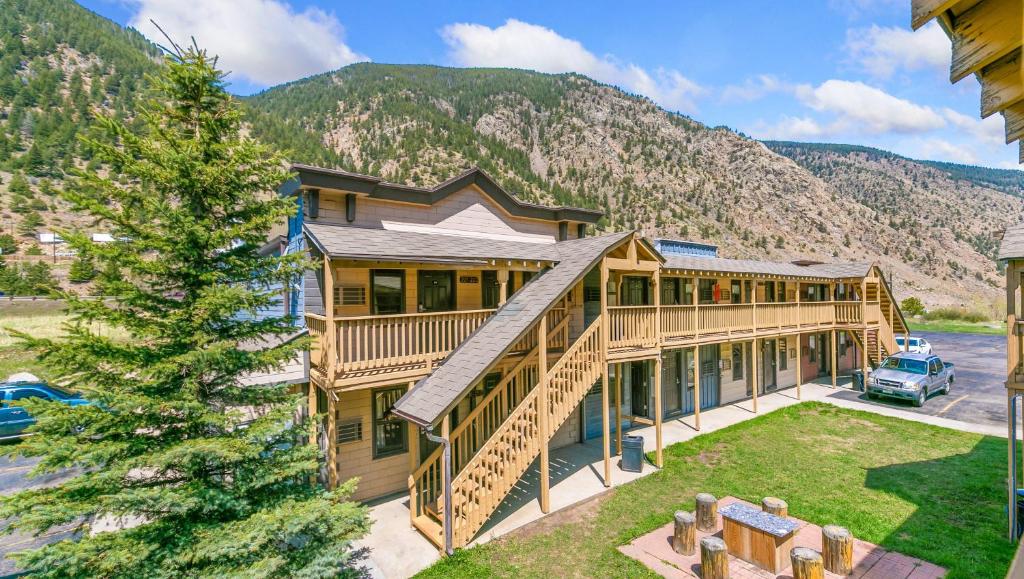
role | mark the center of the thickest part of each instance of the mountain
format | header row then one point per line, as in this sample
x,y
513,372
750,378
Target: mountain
x,y
562,139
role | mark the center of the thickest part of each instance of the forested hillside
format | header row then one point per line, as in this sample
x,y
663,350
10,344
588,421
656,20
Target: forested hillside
x,y
562,139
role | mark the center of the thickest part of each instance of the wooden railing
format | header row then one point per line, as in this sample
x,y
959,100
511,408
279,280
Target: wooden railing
x,y
632,326
817,313
317,326
847,312
777,315
724,318
872,313
677,321
370,342
558,332
484,481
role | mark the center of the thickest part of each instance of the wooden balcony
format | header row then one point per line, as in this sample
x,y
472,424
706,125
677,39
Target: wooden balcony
x,y
633,327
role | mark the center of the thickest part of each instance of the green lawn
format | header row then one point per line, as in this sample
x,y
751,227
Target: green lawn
x,y
955,326
924,491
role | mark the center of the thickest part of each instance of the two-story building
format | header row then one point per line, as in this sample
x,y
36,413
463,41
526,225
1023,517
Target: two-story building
x,y
462,333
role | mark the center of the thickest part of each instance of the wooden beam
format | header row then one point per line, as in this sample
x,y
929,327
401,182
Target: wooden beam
x,y
753,371
543,409
799,361
983,34
1002,84
658,457
835,357
618,408
605,327
921,11
1014,118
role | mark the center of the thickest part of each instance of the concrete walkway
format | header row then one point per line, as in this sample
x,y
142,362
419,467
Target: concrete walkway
x,y
395,549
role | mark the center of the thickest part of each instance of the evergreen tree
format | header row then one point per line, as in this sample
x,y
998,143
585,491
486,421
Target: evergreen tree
x,y
82,269
193,487
8,244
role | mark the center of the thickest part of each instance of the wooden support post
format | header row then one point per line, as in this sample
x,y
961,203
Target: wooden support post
x,y
684,539
502,286
707,512
605,326
618,408
658,456
714,558
799,364
753,371
807,563
330,352
775,506
543,410
834,350
414,463
332,442
696,387
837,549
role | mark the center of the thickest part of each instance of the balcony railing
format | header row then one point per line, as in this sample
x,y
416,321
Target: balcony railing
x,y
717,319
632,327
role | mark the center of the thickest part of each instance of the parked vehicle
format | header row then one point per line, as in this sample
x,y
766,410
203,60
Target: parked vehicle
x,y
911,376
917,345
14,419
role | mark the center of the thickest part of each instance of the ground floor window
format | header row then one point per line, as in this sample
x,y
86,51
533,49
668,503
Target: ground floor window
x,y
783,358
389,431
737,362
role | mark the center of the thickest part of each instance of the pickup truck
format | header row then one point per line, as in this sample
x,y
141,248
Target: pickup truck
x,y
911,376
14,419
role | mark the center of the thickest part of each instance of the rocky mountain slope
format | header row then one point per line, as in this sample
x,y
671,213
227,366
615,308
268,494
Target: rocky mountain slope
x,y
552,138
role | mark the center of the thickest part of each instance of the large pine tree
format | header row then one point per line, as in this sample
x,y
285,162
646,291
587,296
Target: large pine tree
x,y
180,470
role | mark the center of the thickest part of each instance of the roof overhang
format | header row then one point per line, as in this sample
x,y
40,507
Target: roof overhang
x,y
986,37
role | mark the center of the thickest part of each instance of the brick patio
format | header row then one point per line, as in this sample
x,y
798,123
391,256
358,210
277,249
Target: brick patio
x,y
870,561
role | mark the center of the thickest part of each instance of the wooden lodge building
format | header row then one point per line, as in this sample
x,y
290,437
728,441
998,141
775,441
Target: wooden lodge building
x,y
466,333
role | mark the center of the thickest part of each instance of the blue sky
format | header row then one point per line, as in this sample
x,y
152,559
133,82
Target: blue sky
x,y
846,71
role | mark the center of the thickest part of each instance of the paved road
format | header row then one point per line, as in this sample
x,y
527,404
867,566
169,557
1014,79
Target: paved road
x,y
978,395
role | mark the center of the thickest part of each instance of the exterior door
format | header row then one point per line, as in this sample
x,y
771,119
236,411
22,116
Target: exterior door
x,y
671,384
639,390
436,291
688,380
824,353
769,361
709,376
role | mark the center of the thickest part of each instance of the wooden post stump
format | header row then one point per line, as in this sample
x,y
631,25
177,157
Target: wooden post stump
x,y
837,549
684,540
707,512
807,563
714,559
775,506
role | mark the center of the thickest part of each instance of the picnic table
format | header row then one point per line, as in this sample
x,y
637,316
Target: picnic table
x,y
758,537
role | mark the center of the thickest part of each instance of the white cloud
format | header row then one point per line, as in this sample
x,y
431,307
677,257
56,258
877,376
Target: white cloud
x,y
791,129
882,51
860,108
517,44
753,89
943,150
265,42
988,131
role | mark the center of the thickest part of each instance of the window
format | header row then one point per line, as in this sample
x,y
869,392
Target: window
x,y
350,430
843,344
388,291
736,291
28,393
783,358
669,291
782,291
813,350
350,295
389,431
490,289
635,291
687,283
769,291
737,362
706,290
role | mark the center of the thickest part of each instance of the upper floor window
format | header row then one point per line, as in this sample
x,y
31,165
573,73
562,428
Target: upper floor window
x,y
687,290
736,292
635,291
706,291
490,289
388,291
670,291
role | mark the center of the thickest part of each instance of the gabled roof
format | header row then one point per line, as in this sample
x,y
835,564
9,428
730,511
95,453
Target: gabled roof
x,y
359,243
434,396
377,188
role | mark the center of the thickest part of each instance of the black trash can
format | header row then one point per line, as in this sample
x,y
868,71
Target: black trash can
x,y
858,380
633,453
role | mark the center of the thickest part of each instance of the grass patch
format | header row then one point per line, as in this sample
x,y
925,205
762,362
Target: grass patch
x,y
957,327
924,491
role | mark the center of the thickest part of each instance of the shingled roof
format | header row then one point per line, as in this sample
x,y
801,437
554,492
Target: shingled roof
x,y
719,264
1012,245
383,244
434,396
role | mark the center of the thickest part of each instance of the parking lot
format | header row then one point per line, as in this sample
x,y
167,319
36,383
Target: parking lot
x,y
978,395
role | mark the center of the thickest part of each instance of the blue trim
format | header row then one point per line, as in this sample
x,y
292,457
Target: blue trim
x,y
684,247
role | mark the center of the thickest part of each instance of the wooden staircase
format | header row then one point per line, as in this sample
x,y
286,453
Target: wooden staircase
x,y
494,446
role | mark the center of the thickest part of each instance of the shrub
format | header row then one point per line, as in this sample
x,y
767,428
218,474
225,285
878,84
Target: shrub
x,y
956,314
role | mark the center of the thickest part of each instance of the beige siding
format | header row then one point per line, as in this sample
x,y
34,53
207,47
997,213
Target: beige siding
x,y
377,477
467,212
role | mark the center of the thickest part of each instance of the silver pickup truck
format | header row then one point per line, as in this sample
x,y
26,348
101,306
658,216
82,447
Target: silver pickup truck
x,y
911,377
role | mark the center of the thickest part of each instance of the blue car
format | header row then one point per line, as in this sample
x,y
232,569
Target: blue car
x,y
14,419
